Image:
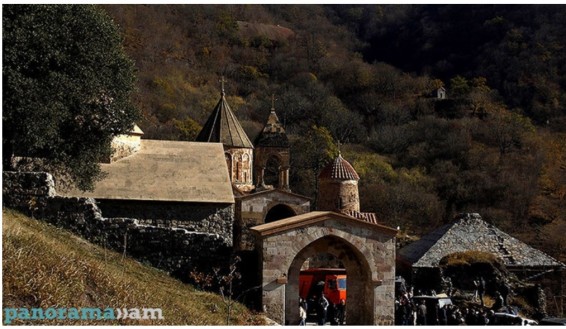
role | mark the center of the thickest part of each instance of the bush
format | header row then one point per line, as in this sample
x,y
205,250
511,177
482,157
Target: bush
x,y
464,267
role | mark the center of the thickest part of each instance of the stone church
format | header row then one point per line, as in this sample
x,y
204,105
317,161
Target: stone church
x,y
259,203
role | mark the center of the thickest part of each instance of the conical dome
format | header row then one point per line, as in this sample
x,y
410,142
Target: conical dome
x,y
339,169
338,187
273,134
223,127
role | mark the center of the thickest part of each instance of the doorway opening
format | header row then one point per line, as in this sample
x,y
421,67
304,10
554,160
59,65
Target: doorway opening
x,y
278,212
352,272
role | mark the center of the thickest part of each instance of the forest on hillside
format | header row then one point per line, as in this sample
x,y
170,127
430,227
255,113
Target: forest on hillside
x,y
363,78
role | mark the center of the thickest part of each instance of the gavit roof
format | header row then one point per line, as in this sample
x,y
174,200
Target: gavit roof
x,y
166,171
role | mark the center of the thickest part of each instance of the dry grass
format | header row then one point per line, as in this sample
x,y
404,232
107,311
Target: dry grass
x,y
48,267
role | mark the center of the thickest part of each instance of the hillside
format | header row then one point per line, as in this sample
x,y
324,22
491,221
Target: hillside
x,y
364,76
45,267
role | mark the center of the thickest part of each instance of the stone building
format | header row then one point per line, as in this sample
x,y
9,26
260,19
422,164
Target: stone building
x,y
270,198
168,184
126,144
339,236
338,186
169,205
367,251
338,190
469,232
223,127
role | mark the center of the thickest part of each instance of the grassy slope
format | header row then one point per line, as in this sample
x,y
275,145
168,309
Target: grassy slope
x,y
48,267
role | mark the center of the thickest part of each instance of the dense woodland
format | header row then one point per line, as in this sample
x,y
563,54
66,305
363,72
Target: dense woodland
x,y
362,79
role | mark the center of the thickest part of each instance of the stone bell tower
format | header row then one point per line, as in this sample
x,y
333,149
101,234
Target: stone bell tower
x,y
223,127
338,187
272,154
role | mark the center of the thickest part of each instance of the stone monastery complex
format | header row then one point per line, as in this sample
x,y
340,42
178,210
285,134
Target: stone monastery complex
x,y
187,206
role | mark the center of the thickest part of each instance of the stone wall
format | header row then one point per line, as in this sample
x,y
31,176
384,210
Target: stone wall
x,y
124,146
367,252
338,195
239,161
211,218
253,209
177,250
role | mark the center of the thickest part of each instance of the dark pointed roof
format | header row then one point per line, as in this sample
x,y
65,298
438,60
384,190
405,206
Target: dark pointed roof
x,y
470,232
339,169
273,134
223,127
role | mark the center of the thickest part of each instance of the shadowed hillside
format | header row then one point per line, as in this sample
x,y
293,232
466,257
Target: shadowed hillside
x,y
365,76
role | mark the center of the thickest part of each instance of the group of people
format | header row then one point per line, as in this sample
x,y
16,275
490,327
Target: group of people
x,y
415,311
325,311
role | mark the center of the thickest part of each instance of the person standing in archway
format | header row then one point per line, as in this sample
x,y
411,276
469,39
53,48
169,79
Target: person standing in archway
x,y
481,290
341,311
322,309
302,313
421,313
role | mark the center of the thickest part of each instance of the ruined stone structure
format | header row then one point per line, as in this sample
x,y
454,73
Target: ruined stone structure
x,y
367,251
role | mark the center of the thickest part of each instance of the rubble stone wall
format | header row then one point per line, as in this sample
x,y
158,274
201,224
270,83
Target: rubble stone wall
x,y
177,250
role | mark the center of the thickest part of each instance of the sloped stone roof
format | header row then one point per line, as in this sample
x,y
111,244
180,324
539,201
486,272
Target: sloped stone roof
x,y
166,171
339,169
314,217
471,232
223,127
262,194
273,134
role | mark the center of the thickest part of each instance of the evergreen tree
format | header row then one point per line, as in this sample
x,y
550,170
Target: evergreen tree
x,y
67,85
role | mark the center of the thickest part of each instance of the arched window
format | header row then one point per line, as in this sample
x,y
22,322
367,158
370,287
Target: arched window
x,y
228,157
271,172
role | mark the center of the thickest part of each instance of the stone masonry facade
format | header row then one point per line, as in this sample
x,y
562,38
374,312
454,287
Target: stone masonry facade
x,y
338,195
177,244
368,256
252,211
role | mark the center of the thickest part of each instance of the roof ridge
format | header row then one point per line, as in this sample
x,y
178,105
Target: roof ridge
x,y
432,247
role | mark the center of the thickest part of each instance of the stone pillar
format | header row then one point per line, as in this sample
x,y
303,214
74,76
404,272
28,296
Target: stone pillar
x,y
260,171
284,178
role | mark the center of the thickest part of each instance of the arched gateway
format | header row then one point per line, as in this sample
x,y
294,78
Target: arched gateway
x,y
366,249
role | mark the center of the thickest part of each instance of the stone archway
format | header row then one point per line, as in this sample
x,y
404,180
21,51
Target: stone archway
x,y
278,212
272,171
366,249
357,269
